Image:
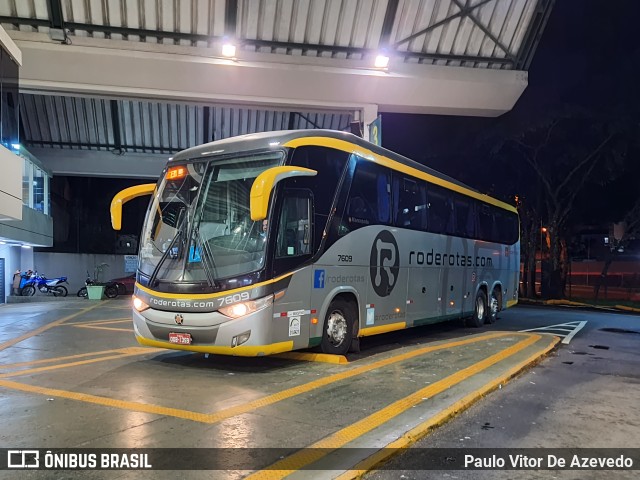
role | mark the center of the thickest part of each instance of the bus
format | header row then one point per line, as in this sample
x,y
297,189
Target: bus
x,y
278,241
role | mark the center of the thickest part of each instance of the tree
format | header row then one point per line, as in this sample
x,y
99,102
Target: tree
x,y
631,224
562,155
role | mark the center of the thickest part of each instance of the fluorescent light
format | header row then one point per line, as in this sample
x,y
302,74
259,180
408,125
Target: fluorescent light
x,y
15,146
382,61
229,50
26,246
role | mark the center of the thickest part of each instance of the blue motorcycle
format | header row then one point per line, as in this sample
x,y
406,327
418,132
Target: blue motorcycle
x,y
45,285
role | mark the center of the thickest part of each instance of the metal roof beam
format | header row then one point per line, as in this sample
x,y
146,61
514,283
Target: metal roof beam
x,y
468,13
461,13
115,124
534,33
387,24
230,18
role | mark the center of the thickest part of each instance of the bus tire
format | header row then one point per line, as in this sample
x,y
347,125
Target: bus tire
x,y
480,311
493,307
337,331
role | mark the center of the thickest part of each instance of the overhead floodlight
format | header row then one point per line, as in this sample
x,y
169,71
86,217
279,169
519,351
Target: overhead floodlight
x,y
229,50
15,146
382,61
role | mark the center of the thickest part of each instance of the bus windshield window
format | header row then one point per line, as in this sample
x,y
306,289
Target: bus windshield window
x,y
199,227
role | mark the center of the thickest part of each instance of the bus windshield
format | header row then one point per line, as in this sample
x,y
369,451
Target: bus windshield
x,y
198,226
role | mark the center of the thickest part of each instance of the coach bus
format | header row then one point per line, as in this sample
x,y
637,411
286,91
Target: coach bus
x,y
278,241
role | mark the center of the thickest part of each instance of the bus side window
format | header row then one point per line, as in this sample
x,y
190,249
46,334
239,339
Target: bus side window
x,y
485,223
294,229
464,217
441,218
409,203
369,198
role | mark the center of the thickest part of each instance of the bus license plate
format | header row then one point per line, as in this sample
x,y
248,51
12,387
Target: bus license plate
x,y
180,338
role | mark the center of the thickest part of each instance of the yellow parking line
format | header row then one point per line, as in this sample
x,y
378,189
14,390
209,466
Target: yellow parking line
x,y
100,322
106,328
44,328
108,402
261,402
31,371
55,359
420,431
342,437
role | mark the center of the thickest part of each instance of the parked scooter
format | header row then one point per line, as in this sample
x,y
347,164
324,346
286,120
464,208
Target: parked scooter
x,y
45,285
110,289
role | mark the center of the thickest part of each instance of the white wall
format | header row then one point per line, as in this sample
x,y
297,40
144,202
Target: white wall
x,y
15,258
74,266
10,185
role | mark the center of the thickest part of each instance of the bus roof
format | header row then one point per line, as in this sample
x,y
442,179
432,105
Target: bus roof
x,y
335,139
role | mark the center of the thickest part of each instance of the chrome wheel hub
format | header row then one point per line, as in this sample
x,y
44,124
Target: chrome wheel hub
x,y
336,328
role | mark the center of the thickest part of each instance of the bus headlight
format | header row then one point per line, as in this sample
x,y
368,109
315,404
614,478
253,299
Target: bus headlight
x,y
138,304
241,309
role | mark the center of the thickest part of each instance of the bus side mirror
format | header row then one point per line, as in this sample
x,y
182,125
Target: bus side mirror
x,y
264,183
123,197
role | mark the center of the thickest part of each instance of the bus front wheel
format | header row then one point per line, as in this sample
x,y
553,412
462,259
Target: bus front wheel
x,y
480,312
337,333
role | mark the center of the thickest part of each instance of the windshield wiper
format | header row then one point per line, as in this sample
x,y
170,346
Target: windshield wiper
x,y
207,255
164,256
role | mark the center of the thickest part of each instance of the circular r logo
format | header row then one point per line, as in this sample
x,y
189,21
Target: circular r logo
x,y
384,263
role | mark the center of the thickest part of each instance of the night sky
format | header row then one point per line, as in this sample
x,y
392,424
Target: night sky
x,y
587,61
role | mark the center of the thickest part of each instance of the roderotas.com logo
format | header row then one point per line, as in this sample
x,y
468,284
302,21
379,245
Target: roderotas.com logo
x,y
384,263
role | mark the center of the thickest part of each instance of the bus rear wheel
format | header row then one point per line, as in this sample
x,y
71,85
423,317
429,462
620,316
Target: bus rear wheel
x,y
493,307
480,312
337,333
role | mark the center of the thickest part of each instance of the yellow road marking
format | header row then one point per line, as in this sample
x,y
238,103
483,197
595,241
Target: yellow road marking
x,y
314,357
100,322
342,437
31,371
106,328
264,401
420,431
55,359
108,402
44,328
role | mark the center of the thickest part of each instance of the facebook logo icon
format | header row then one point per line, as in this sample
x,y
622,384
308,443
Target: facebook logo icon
x,y
318,279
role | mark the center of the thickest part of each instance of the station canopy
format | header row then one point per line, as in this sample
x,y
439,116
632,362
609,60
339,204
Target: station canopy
x,y
147,78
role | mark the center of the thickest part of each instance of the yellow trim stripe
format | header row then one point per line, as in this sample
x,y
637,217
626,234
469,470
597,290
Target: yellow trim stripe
x,y
368,331
511,303
31,371
349,147
44,328
240,351
422,430
342,437
204,296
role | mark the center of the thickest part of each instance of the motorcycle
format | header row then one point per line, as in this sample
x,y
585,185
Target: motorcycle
x,y
45,285
110,289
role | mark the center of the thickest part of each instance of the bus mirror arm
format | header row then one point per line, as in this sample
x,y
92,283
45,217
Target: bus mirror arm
x,y
123,197
264,184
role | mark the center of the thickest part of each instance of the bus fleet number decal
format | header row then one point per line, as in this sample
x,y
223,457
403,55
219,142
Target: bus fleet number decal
x,y
345,258
235,298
